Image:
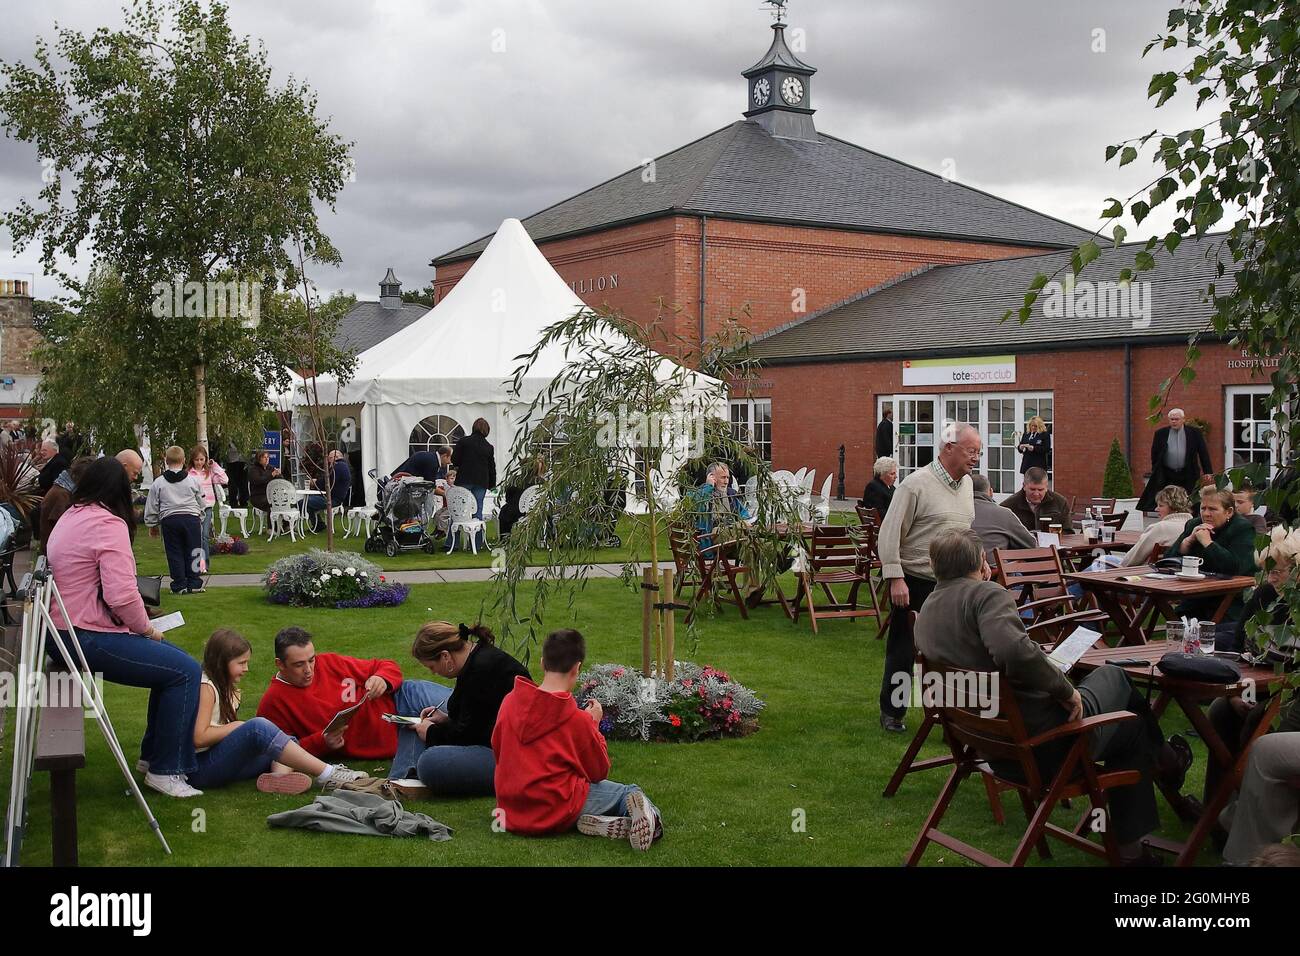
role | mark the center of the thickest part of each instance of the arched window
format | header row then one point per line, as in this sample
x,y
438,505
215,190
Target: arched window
x,y
434,431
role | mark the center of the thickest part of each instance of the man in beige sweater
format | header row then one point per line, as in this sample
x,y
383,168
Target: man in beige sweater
x,y
927,501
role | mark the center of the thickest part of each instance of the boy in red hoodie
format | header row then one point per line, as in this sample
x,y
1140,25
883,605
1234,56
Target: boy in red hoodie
x,y
552,761
309,689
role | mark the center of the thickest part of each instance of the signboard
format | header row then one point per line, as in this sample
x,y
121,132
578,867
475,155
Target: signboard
x,y
271,445
984,370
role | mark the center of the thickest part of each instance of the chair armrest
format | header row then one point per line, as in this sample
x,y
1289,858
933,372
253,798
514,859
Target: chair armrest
x,y
1080,617
1075,727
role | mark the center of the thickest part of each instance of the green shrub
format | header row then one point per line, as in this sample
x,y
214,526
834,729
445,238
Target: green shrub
x,y
1118,482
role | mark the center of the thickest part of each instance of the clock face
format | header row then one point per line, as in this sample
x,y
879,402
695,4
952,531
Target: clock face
x,y
792,90
762,92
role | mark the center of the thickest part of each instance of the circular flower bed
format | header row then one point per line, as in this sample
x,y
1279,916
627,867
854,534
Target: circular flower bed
x,y
331,579
229,544
699,703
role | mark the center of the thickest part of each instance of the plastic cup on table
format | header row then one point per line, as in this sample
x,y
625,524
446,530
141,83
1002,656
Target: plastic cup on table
x,y
1208,631
1174,632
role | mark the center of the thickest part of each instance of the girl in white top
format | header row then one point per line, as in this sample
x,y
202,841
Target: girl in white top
x,y
230,749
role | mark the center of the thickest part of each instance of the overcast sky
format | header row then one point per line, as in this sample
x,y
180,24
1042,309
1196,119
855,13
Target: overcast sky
x,y
464,112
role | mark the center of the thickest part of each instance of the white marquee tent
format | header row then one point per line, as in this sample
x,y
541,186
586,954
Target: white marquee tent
x,y
457,360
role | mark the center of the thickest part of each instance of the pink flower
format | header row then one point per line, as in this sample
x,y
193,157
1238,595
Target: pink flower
x,y
619,672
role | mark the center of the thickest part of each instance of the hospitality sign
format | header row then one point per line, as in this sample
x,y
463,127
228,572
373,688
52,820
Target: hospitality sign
x,y
984,370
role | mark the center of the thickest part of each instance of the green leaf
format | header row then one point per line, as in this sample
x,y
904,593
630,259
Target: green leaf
x,y
1119,235
1114,210
1172,240
1088,252
1128,155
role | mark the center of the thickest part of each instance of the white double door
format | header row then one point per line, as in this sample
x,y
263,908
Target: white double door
x,y
1000,416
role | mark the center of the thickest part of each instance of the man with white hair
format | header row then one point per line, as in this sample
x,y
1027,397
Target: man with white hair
x,y
1179,456
54,465
929,500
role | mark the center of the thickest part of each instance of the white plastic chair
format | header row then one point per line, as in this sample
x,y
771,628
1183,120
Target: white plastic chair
x,y
359,520
751,495
283,499
798,475
460,509
225,512
783,478
822,511
529,498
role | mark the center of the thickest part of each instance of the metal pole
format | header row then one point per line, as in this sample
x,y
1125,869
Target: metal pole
x,y
840,496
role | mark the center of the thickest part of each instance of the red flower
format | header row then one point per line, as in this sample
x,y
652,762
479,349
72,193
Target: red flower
x,y
675,720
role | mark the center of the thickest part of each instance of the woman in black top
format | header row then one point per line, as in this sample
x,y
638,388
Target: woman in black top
x,y
260,474
880,490
475,461
1035,445
458,759
510,513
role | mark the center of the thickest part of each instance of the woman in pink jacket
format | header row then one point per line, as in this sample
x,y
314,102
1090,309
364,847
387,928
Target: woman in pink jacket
x,y
209,474
90,556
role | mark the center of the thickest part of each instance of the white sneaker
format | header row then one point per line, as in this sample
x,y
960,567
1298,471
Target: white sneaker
x,y
173,785
641,832
340,775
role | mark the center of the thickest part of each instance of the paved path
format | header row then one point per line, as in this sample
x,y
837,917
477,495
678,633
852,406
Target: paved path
x,y
445,576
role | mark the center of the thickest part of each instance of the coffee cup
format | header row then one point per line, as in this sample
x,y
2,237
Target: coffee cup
x,y
1191,565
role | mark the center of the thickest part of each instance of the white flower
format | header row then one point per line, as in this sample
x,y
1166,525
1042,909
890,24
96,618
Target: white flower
x,y
351,571
324,578
363,574
336,572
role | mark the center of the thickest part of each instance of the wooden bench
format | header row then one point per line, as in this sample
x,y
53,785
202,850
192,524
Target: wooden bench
x,y
61,751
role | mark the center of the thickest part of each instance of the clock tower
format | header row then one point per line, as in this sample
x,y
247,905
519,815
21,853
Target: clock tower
x,y
780,88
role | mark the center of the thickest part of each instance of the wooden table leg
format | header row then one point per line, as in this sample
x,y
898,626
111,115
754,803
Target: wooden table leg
x,y
1130,625
63,816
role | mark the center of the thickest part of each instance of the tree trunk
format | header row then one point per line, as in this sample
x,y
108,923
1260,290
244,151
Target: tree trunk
x,y
201,404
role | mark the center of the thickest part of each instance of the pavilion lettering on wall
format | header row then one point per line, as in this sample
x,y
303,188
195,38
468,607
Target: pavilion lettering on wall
x,y
984,370
595,284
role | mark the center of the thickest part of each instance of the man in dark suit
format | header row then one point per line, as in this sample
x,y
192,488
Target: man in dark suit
x,y
1179,456
885,435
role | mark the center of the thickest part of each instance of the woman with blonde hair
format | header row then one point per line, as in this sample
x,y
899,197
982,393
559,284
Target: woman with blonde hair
x,y
1035,445
209,475
457,730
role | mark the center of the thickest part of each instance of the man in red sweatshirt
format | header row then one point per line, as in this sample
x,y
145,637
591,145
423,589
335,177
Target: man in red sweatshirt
x,y
552,761
309,689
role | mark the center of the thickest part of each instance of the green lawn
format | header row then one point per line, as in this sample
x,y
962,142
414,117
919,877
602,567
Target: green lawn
x,y
820,756
150,558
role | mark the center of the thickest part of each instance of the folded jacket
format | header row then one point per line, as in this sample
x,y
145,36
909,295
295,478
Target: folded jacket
x,y
366,814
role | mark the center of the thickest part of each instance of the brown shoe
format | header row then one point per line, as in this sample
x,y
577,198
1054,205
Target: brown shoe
x,y
290,783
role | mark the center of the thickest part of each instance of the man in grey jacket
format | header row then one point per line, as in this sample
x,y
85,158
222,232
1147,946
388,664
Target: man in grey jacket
x,y
971,622
176,504
996,526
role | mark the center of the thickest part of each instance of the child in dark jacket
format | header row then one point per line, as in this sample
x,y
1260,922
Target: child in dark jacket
x,y
551,759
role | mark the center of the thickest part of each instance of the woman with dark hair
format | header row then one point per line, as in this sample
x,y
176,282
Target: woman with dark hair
x,y
261,474
510,513
457,732
94,568
475,461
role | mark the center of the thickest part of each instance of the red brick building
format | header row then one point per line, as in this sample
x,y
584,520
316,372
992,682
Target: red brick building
x,y
848,267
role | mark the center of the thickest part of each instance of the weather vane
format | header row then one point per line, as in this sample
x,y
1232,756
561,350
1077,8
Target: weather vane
x,y
778,9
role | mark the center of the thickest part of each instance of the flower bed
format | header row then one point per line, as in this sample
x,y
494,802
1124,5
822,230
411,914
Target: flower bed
x,y
331,579
699,703
229,544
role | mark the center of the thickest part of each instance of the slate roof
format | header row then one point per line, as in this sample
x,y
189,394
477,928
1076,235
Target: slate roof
x,y
744,172
369,323
957,309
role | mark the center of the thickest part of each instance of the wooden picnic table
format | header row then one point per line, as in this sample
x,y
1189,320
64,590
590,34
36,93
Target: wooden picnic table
x,y
1138,604
1193,698
1076,544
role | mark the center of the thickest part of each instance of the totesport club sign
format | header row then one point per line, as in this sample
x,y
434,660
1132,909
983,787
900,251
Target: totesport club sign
x,y
985,370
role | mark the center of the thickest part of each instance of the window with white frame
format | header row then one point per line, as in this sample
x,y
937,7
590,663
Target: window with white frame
x,y
751,423
1250,433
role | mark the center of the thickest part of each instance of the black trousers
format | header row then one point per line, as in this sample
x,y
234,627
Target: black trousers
x,y
183,541
900,650
237,471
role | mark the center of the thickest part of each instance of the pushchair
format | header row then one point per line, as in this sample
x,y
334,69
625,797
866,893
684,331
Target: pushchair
x,y
406,508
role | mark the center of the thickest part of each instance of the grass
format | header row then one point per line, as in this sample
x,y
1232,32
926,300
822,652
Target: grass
x,y
150,558
820,756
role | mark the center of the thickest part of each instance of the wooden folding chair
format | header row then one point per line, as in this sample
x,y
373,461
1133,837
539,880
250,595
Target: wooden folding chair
x,y
1038,578
1107,505
869,522
838,555
909,764
975,739
1115,519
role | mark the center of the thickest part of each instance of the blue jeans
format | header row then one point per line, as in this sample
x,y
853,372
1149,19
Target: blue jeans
x,y
172,677
409,699
244,753
609,799
452,770
207,537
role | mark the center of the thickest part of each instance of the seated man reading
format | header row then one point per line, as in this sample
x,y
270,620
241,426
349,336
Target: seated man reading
x,y
309,689
971,622
718,508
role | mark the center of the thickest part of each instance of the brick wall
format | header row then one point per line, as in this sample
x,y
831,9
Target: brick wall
x,y
17,337
750,266
819,406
